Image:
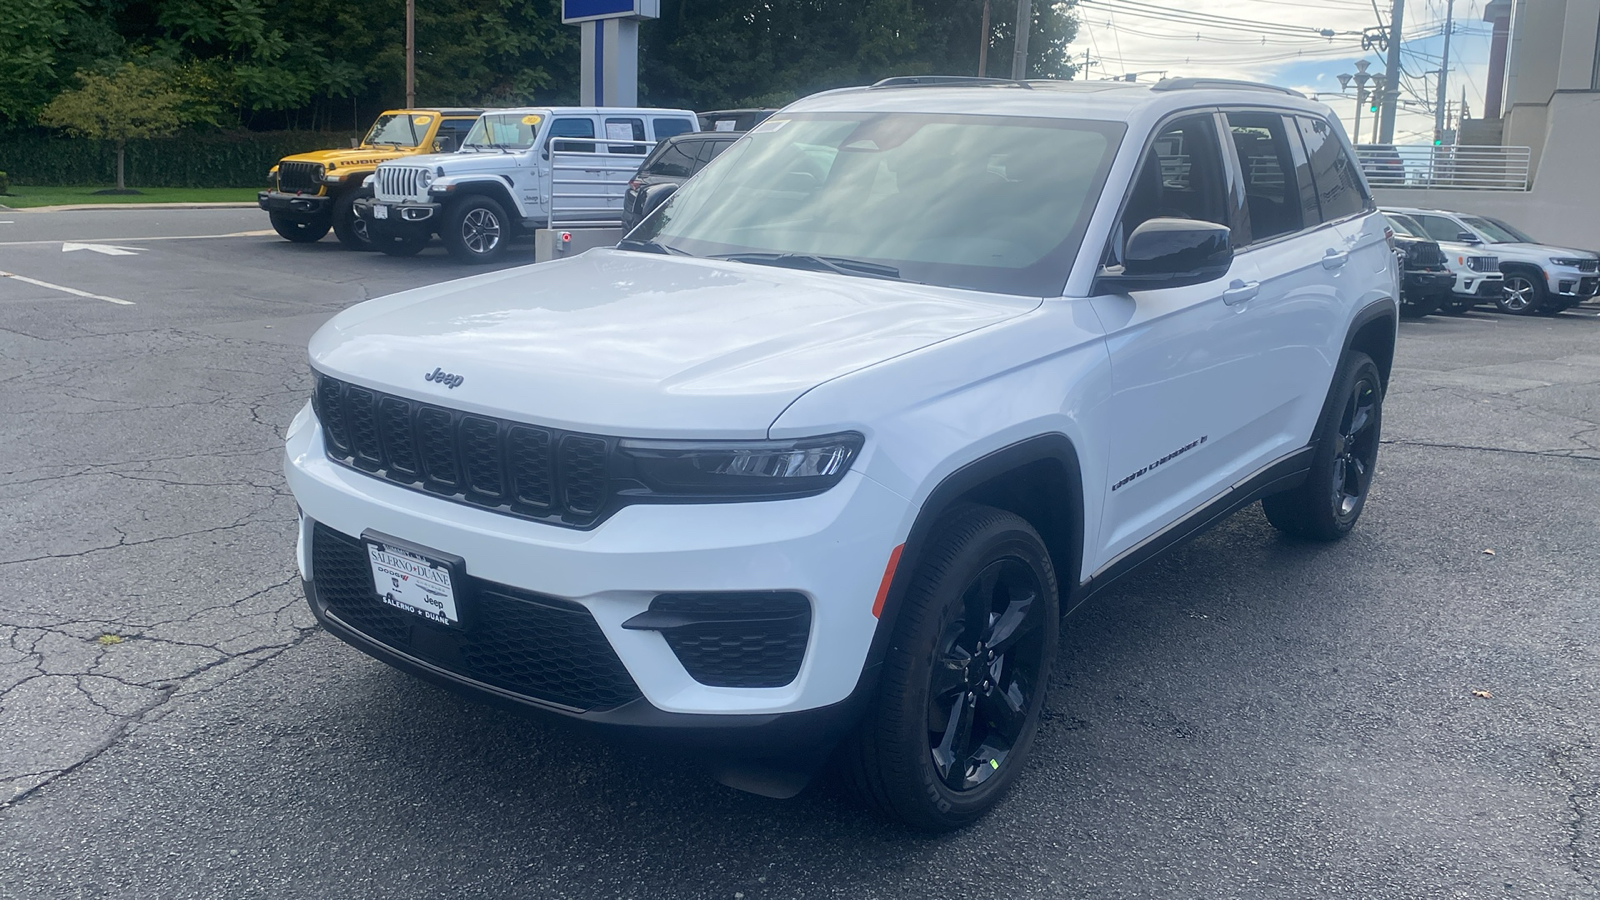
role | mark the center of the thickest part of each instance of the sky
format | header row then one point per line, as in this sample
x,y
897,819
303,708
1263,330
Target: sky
x,y
1277,41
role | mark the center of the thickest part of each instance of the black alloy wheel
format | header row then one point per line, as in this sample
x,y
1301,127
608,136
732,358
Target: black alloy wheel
x,y
985,674
962,685
1520,294
1327,504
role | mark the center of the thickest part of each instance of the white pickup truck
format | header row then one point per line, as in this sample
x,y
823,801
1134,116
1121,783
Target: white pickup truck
x,y
517,170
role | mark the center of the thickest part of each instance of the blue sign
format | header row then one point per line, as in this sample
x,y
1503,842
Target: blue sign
x,y
590,10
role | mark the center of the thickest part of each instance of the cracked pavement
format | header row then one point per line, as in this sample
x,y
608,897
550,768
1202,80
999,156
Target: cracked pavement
x,y
1249,717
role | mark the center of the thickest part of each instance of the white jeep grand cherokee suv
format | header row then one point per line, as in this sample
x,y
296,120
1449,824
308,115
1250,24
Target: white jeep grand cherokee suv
x,y
820,454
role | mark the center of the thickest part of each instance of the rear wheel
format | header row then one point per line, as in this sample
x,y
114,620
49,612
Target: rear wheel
x,y
475,229
963,683
351,230
1325,507
301,231
1520,294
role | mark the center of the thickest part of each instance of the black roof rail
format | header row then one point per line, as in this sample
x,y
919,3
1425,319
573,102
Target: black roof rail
x,y
1191,84
946,81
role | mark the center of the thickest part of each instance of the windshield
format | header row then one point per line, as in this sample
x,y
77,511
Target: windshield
x,y
1498,232
986,202
399,130
1405,226
512,131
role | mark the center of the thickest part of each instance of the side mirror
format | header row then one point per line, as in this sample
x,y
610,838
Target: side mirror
x,y
1168,253
1467,237
655,196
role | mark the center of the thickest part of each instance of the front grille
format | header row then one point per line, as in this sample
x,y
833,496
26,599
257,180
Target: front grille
x,y
399,183
1483,263
539,647
1589,265
1424,254
299,177
742,640
522,470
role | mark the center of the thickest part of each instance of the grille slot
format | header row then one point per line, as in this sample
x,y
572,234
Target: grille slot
x,y
1589,265
536,646
740,640
299,177
522,470
398,182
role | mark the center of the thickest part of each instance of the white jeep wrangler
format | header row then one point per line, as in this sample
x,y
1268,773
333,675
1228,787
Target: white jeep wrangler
x,y
817,458
514,171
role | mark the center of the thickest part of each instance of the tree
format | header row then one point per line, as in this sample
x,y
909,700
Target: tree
x,y
133,102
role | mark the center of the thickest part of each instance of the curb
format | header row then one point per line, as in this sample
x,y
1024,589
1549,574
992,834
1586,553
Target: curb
x,y
229,204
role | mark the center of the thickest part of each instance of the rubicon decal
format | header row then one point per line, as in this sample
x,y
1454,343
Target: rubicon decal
x,y
440,376
1163,460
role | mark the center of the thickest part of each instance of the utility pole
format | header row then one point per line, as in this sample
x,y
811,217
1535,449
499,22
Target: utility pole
x,y
411,54
983,44
1444,73
1386,134
1019,58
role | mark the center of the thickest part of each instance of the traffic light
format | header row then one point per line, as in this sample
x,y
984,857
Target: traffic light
x,y
1377,97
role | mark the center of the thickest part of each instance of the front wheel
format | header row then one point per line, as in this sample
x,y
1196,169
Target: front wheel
x,y
475,229
1325,507
301,231
1520,294
352,231
963,682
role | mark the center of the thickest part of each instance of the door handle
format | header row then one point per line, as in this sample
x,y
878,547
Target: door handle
x,y
1240,291
1333,259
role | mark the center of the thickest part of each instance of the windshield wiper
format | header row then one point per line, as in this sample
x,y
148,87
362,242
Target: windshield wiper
x,y
650,247
841,264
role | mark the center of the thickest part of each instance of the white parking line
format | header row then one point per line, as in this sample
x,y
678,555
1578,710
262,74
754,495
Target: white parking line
x,y
164,237
64,289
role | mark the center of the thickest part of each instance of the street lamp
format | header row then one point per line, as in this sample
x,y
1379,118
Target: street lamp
x,y
1362,78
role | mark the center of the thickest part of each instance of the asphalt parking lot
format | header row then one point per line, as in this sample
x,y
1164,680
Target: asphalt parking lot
x,y
1249,718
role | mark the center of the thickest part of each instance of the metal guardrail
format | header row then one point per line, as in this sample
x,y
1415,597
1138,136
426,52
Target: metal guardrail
x,y
587,187
1459,167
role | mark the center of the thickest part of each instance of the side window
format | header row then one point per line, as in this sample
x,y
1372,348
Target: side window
x,y
1272,196
626,130
666,128
1180,177
1339,188
570,128
710,150
451,133
1439,228
676,160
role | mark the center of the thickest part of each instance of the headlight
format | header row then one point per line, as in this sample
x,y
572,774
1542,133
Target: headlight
x,y
743,469
424,178
1568,261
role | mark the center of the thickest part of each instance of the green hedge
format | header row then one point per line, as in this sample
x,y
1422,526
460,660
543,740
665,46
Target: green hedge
x,y
228,159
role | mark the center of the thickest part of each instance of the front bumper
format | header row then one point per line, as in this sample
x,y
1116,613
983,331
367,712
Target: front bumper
x,y
1427,282
1562,281
1478,285
832,548
297,205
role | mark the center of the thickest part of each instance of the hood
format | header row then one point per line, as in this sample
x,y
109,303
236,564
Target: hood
x,y
360,156
1541,249
640,345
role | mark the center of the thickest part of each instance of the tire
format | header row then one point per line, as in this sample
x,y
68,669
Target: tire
x,y
475,229
1326,506
400,245
1520,295
301,231
349,228
936,767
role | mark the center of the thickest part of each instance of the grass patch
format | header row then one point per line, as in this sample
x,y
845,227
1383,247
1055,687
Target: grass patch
x,y
25,197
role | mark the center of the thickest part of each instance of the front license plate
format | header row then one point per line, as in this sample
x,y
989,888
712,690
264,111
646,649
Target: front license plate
x,y
380,212
414,583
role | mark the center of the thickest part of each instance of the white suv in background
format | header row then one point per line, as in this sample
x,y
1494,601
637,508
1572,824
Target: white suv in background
x,y
825,448
1540,279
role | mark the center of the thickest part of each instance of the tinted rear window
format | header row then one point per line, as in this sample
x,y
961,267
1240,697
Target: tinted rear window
x,y
675,159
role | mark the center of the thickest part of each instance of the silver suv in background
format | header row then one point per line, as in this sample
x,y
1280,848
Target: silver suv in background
x,y
1540,279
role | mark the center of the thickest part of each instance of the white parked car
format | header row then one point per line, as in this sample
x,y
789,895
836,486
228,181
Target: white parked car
x,y
1540,279
514,170
1477,274
825,449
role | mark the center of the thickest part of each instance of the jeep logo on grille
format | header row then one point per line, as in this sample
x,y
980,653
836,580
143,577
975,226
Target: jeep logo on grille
x,y
440,376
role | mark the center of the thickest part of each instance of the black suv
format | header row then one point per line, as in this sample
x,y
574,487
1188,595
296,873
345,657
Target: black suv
x,y
671,163
1426,280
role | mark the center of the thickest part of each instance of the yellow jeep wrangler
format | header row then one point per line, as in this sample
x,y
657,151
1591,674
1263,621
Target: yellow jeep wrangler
x,y
311,192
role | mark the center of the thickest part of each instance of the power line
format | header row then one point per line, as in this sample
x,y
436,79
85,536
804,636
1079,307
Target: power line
x,y
1179,16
